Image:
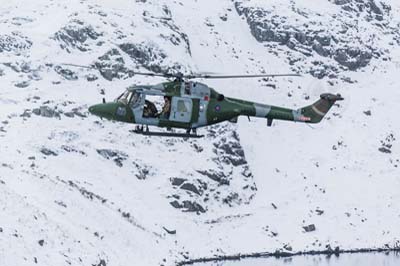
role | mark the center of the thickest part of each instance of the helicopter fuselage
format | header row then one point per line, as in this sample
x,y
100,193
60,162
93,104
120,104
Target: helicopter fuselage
x,y
193,105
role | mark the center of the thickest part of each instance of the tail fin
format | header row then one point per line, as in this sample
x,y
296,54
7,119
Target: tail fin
x,y
315,112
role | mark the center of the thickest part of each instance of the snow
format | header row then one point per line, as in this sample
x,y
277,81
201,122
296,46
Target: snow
x,y
78,201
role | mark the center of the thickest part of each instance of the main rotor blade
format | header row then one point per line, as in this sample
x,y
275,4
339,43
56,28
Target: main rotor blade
x,y
239,76
180,76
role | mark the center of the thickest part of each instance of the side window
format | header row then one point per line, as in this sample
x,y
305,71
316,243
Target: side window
x,y
188,88
181,107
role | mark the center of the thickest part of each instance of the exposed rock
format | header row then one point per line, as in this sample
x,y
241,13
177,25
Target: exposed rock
x,y
117,156
143,171
91,77
46,111
309,228
216,176
171,232
266,25
191,206
367,113
175,204
75,35
191,187
22,84
385,150
41,242
112,65
66,73
176,181
84,192
72,149
48,152
101,263
288,247
15,42
149,56
27,113
353,58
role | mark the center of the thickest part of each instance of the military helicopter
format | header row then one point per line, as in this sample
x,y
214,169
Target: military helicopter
x,y
190,105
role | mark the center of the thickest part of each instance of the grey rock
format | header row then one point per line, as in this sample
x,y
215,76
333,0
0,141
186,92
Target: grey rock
x,y
101,263
22,84
117,156
190,187
65,73
385,150
91,77
149,57
190,206
367,113
309,228
14,42
48,152
75,35
353,58
219,177
175,204
46,111
176,181
26,113
171,232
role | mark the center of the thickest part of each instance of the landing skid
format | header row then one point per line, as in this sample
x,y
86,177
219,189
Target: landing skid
x,y
146,132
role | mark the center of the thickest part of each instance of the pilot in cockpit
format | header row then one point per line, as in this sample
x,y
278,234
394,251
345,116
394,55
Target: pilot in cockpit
x,y
149,110
166,110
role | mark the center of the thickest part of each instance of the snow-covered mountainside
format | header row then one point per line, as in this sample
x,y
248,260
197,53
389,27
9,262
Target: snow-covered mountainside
x,y
77,190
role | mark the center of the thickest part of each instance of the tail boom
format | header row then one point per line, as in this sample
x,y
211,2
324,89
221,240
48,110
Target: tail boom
x,y
310,114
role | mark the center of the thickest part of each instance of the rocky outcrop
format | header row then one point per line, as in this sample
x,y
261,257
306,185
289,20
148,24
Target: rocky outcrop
x,y
229,182
338,37
76,35
14,42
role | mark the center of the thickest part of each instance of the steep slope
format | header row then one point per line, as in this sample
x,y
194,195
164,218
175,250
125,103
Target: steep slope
x,y
83,191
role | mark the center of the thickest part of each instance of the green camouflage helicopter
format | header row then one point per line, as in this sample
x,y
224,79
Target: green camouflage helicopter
x,y
190,105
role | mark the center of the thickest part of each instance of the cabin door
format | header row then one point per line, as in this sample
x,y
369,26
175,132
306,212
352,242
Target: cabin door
x,y
181,109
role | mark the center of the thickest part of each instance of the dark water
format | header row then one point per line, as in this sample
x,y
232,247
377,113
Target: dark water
x,y
360,259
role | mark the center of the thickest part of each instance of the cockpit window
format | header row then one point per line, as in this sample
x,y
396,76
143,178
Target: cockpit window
x,y
135,99
124,97
131,98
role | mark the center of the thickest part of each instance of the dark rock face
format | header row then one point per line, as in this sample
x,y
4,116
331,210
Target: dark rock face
x,y
75,35
48,152
353,58
65,73
22,84
188,206
148,56
370,7
387,143
190,187
46,111
227,182
176,181
309,228
343,43
117,156
112,66
15,42
219,177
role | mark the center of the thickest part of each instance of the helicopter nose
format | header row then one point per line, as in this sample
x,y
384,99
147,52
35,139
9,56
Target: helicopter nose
x,y
102,110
